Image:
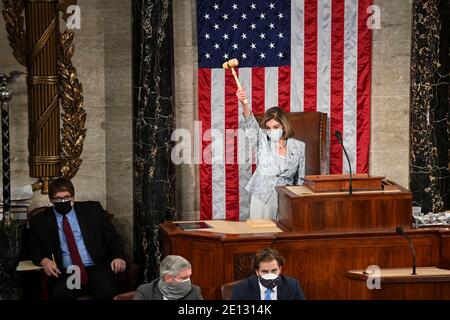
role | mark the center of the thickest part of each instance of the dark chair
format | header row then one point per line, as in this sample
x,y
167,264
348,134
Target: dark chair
x,y
311,128
227,289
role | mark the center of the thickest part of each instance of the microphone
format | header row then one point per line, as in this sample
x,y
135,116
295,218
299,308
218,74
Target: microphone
x,y
402,232
338,135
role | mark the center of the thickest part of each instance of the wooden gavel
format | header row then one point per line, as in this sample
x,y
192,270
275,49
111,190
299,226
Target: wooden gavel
x,y
231,64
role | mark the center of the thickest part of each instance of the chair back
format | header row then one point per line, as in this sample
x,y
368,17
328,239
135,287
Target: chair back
x,y
227,289
311,128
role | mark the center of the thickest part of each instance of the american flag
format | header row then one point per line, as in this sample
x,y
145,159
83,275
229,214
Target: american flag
x,y
300,55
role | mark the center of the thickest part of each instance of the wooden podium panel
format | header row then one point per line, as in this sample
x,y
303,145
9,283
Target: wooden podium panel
x,y
319,260
334,211
341,182
430,283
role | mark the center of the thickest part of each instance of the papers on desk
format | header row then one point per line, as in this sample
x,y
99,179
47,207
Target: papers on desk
x,y
27,265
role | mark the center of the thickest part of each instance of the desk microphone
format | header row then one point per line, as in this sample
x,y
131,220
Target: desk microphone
x,y
338,135
402,232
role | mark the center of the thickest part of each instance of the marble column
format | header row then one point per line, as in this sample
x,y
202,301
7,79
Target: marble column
x,y
429,116
153,123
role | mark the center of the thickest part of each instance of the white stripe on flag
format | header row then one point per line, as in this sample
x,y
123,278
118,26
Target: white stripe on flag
x,y
217,140
324,65
244,153
297,54
270,87
350,81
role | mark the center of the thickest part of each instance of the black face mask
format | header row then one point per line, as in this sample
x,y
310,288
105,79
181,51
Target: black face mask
x,y
269,282
63,207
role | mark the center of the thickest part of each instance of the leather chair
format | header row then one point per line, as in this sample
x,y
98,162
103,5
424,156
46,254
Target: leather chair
x,y
311,128
227,289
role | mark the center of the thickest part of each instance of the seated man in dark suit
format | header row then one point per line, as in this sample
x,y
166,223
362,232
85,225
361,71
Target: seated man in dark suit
x,y
268,283
174,282
76,244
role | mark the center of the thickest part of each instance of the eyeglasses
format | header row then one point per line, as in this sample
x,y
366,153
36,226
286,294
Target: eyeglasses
x,y
65,199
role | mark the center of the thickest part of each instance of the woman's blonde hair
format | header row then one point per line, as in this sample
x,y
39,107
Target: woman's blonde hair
x,y
278,115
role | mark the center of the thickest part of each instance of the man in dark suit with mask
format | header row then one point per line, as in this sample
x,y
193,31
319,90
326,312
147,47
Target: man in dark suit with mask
x,y
174,282
76,244
268,283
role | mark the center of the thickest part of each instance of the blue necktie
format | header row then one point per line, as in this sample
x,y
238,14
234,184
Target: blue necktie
x,y
267,294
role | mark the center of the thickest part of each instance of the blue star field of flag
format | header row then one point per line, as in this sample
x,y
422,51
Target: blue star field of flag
x,y
256,32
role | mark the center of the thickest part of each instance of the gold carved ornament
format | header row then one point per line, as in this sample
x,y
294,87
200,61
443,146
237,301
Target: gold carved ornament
x,y
73,117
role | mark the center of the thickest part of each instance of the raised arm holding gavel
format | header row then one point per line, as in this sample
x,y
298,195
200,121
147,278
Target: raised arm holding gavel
x,y
231,64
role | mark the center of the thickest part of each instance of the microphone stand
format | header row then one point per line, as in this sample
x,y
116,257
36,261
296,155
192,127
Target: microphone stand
x,y
350,182
402,232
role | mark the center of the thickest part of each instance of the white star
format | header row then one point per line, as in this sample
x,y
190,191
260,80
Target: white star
x,y
253,26
253,6
216,26
271,26
271,6
225,56
271,45
244,36
280,16
244,56
244,16
206,16
235,26
207,36
225,17
207,56
216,46
235,6
225,36
262,16
216,6
235,46
280,55
262,55
262,36
253,46
280,35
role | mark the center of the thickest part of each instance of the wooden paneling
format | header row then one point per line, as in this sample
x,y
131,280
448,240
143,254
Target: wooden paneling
x,y
320,260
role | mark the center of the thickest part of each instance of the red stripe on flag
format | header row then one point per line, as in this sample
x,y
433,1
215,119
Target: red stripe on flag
x,y
258,103
337,83
364,84
284,88
310,80
258,76
204,112
231,148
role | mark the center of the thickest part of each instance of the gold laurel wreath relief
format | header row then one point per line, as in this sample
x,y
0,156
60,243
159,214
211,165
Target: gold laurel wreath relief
x,y
74,116
12,13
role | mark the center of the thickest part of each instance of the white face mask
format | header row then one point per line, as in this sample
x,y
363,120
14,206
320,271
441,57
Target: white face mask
x,y
275,134
269,276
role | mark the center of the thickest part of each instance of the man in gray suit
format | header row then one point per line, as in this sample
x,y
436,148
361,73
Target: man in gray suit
x,y
174,282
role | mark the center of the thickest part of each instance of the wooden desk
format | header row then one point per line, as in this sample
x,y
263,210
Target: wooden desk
x,y
398,283
320,260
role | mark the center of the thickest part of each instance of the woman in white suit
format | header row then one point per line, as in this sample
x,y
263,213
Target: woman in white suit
x,y
280,159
